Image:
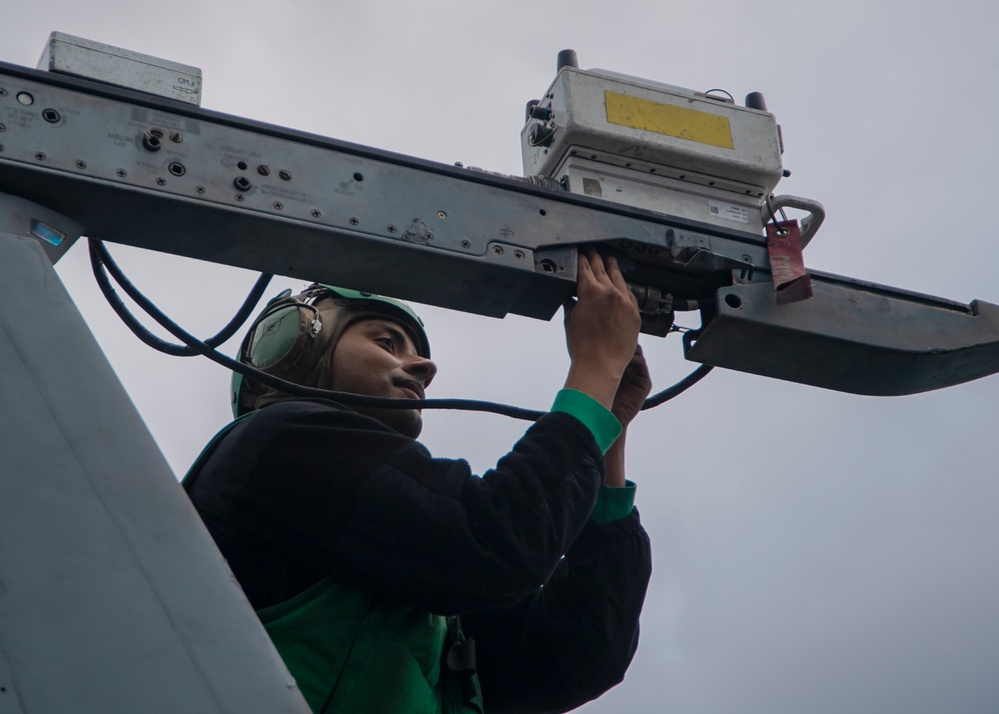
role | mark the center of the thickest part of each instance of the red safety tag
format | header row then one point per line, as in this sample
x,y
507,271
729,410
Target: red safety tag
x,y
787,266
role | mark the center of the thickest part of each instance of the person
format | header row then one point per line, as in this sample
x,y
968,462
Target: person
x,y
393,581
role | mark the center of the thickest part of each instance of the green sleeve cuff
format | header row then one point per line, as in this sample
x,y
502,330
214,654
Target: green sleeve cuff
x,y
614,503
598,419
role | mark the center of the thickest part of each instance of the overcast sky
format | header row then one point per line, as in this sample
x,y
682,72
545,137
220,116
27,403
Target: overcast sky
x,y
814,551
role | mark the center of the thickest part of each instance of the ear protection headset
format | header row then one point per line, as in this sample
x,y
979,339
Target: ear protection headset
x,y
284,338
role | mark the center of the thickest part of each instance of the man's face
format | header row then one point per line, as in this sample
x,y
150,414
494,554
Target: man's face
x,y
377,357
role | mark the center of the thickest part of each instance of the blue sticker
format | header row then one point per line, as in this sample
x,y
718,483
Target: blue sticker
x,y
47,233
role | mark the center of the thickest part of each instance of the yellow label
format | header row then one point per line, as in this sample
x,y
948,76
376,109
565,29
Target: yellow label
x,y
667,119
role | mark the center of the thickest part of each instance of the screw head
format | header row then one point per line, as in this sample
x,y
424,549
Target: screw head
x,y
40,155
3,128
81,164
176,137
391,229
199,189
466,244
240,197
161,181
518,254
498,249
316,213
121,173
353,221
278,205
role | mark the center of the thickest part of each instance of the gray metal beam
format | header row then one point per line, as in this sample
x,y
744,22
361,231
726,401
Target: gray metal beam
x,y
172,177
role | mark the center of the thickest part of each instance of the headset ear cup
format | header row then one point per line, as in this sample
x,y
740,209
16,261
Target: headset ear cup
x,y
282,338
274,337
279,343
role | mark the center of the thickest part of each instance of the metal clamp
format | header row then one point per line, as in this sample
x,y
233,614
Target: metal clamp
x,y
809,224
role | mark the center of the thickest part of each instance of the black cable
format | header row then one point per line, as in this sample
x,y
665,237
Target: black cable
x,y
101,260
99,254
679,388
199,347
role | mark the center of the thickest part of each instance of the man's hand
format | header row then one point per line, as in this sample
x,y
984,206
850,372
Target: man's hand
x,y
601,329
633,390
631,394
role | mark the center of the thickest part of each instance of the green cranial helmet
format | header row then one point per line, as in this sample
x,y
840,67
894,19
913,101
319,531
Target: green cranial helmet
x,y
294,332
